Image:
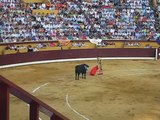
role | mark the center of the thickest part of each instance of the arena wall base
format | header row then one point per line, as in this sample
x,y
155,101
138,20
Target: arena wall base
x,y
13,60
78,59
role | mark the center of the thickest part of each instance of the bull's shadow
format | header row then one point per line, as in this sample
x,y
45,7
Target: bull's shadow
x,y
81,69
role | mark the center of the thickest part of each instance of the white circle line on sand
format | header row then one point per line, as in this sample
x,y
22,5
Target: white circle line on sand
x,y
39,87
74,109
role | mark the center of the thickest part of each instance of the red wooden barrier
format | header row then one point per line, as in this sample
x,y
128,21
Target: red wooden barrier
x,y
4,102
71,54
36,105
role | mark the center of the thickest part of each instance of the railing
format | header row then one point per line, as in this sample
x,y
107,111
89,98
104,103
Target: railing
x,y
36,106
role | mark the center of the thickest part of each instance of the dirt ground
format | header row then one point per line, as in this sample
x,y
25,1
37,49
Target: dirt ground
x,y
127,90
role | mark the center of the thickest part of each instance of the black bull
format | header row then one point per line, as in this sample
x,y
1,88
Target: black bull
x,y
81,69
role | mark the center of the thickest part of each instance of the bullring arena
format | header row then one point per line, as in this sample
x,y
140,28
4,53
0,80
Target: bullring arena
x,y
41,42
127,90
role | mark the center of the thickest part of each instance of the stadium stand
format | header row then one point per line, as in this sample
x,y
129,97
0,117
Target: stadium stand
x,y
51,26
77,20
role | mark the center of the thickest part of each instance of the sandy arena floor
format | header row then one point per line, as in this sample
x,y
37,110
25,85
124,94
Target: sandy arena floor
x,y
128,90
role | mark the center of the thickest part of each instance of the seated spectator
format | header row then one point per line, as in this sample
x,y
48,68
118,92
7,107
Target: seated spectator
x,y
148,46
40,45
79,44
35,49
52,44
29,48
83,44
70,37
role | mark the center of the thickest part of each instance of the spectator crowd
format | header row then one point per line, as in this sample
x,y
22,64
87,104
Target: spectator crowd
x,y
78,20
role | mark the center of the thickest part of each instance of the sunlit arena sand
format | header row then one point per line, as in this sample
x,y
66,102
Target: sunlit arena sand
x,y
127,90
